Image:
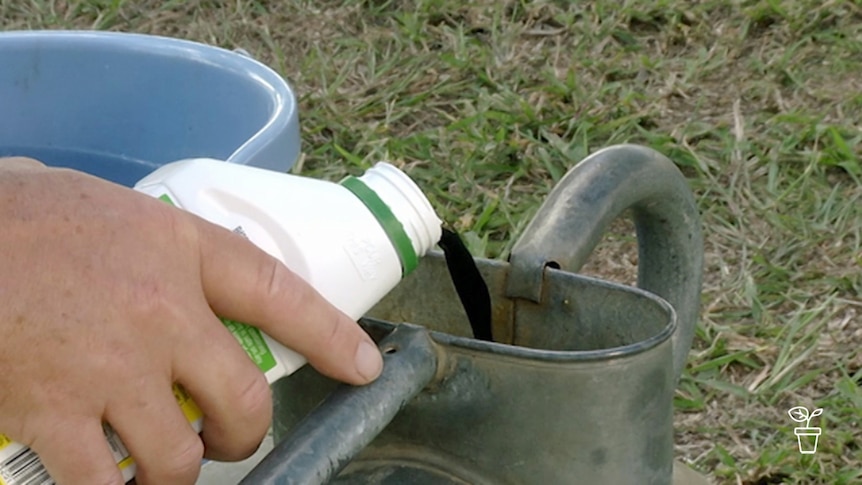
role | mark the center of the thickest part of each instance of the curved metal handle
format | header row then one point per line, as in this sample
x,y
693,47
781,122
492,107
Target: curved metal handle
x,y
351,417
572,220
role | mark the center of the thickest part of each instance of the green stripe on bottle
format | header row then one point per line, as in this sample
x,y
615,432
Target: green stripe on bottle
x,y
390,224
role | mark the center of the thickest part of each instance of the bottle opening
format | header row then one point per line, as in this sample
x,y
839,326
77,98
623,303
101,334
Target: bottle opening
x,y
405,204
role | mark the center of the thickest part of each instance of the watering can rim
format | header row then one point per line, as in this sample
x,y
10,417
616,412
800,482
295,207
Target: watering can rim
x,y
558,356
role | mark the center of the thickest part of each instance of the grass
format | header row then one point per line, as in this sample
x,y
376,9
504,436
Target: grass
x,y
488,103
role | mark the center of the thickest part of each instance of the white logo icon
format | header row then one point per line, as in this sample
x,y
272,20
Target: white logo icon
x,y
806,436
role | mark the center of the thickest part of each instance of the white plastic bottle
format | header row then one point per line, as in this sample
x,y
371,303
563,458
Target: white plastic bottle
x,y
352,241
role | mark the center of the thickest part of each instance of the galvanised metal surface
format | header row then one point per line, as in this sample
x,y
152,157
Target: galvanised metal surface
x,y
351,418
576,213
578,387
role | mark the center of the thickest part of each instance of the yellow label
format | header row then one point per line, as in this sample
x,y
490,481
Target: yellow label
x,y
190,410
123,464
189,407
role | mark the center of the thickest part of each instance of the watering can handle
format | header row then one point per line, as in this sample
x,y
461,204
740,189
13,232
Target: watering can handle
x,y
573,218
348,419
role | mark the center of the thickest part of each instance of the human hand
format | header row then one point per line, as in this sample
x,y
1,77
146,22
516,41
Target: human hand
x,y
109,296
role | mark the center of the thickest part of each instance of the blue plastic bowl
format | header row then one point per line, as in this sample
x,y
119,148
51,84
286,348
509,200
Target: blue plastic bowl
x,y
118,105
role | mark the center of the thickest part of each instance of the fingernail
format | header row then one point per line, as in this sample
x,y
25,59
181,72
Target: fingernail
x,y
369,362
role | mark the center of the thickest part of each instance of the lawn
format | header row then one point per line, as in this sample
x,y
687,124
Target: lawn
x,y
489,103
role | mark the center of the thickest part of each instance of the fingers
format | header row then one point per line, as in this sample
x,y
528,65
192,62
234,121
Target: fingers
x,y
77,453
244,283
230,390
156,433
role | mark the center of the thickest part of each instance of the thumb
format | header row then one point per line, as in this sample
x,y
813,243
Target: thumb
x,y
244,283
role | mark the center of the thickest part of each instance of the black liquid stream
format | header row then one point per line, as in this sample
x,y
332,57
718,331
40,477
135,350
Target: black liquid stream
x,y
471,287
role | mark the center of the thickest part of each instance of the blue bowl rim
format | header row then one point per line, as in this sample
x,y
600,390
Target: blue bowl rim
x,y
282,96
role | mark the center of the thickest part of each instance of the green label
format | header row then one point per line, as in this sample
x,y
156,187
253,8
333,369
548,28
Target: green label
x,y
252,341
167,199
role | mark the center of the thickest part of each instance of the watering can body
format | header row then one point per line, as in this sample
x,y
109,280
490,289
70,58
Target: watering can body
x,y
577,386
498,413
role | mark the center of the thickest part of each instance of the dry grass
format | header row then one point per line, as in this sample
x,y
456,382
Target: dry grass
x,y
490,102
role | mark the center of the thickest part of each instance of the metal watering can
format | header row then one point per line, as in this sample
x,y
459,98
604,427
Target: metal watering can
x,y
577,386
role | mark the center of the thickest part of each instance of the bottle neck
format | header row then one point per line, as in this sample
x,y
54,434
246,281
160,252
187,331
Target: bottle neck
x,y
402,210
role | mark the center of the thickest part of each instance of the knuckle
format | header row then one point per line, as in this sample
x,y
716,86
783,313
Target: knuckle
x,y
164,219
148,292
70,459
183,461
255,399
337,334
281,284
274,277
179,226
255,414
146,298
